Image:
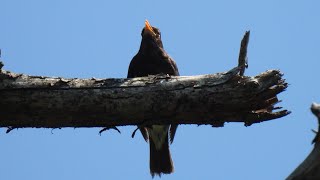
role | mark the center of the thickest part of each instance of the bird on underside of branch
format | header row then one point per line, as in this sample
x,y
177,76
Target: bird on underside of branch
x,y
152,60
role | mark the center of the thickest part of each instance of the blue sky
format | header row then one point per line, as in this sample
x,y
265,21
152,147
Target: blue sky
x,y
87,39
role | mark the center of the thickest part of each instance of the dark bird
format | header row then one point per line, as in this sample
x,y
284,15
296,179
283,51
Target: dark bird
x,y
152,60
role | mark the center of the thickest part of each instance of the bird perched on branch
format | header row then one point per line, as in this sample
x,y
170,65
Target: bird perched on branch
x,y
151,60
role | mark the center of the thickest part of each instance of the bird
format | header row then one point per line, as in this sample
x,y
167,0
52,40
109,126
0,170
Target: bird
x,y
152,59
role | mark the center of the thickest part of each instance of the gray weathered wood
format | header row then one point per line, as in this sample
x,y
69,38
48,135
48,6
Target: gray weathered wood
x,y
48,102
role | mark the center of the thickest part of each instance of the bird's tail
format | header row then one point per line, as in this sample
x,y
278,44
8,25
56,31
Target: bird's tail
x,y
160,159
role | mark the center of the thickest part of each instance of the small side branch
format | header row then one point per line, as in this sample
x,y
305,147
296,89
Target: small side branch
x,y
243,59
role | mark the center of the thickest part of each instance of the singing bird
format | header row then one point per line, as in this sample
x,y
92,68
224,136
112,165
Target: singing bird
x,y
152,59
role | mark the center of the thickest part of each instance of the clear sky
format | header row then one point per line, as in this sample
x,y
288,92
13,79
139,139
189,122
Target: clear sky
x,y
85,39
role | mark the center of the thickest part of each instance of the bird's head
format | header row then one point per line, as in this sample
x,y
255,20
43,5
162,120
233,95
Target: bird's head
x,y
151,36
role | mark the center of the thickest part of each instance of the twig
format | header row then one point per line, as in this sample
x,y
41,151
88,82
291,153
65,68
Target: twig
x,y
243,59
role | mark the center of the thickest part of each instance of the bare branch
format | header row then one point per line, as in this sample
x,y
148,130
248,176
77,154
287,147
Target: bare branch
x,y
47,102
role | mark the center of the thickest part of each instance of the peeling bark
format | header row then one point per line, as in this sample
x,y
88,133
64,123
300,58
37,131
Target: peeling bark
x,y
47,102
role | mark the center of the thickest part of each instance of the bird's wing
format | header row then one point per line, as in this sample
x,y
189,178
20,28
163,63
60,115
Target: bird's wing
x,y
132,67
174,66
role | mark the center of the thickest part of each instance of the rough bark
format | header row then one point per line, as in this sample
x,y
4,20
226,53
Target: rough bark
x,y
309,169
36,101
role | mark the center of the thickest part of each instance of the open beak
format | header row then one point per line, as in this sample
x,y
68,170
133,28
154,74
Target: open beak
x,y
148,28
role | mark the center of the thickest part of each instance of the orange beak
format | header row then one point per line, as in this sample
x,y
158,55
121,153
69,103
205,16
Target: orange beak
x,y
148,28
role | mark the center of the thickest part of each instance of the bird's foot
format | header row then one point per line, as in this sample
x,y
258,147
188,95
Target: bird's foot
x,y
107,128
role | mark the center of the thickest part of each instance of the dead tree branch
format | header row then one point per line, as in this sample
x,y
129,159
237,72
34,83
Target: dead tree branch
x,y
309,169
47,102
